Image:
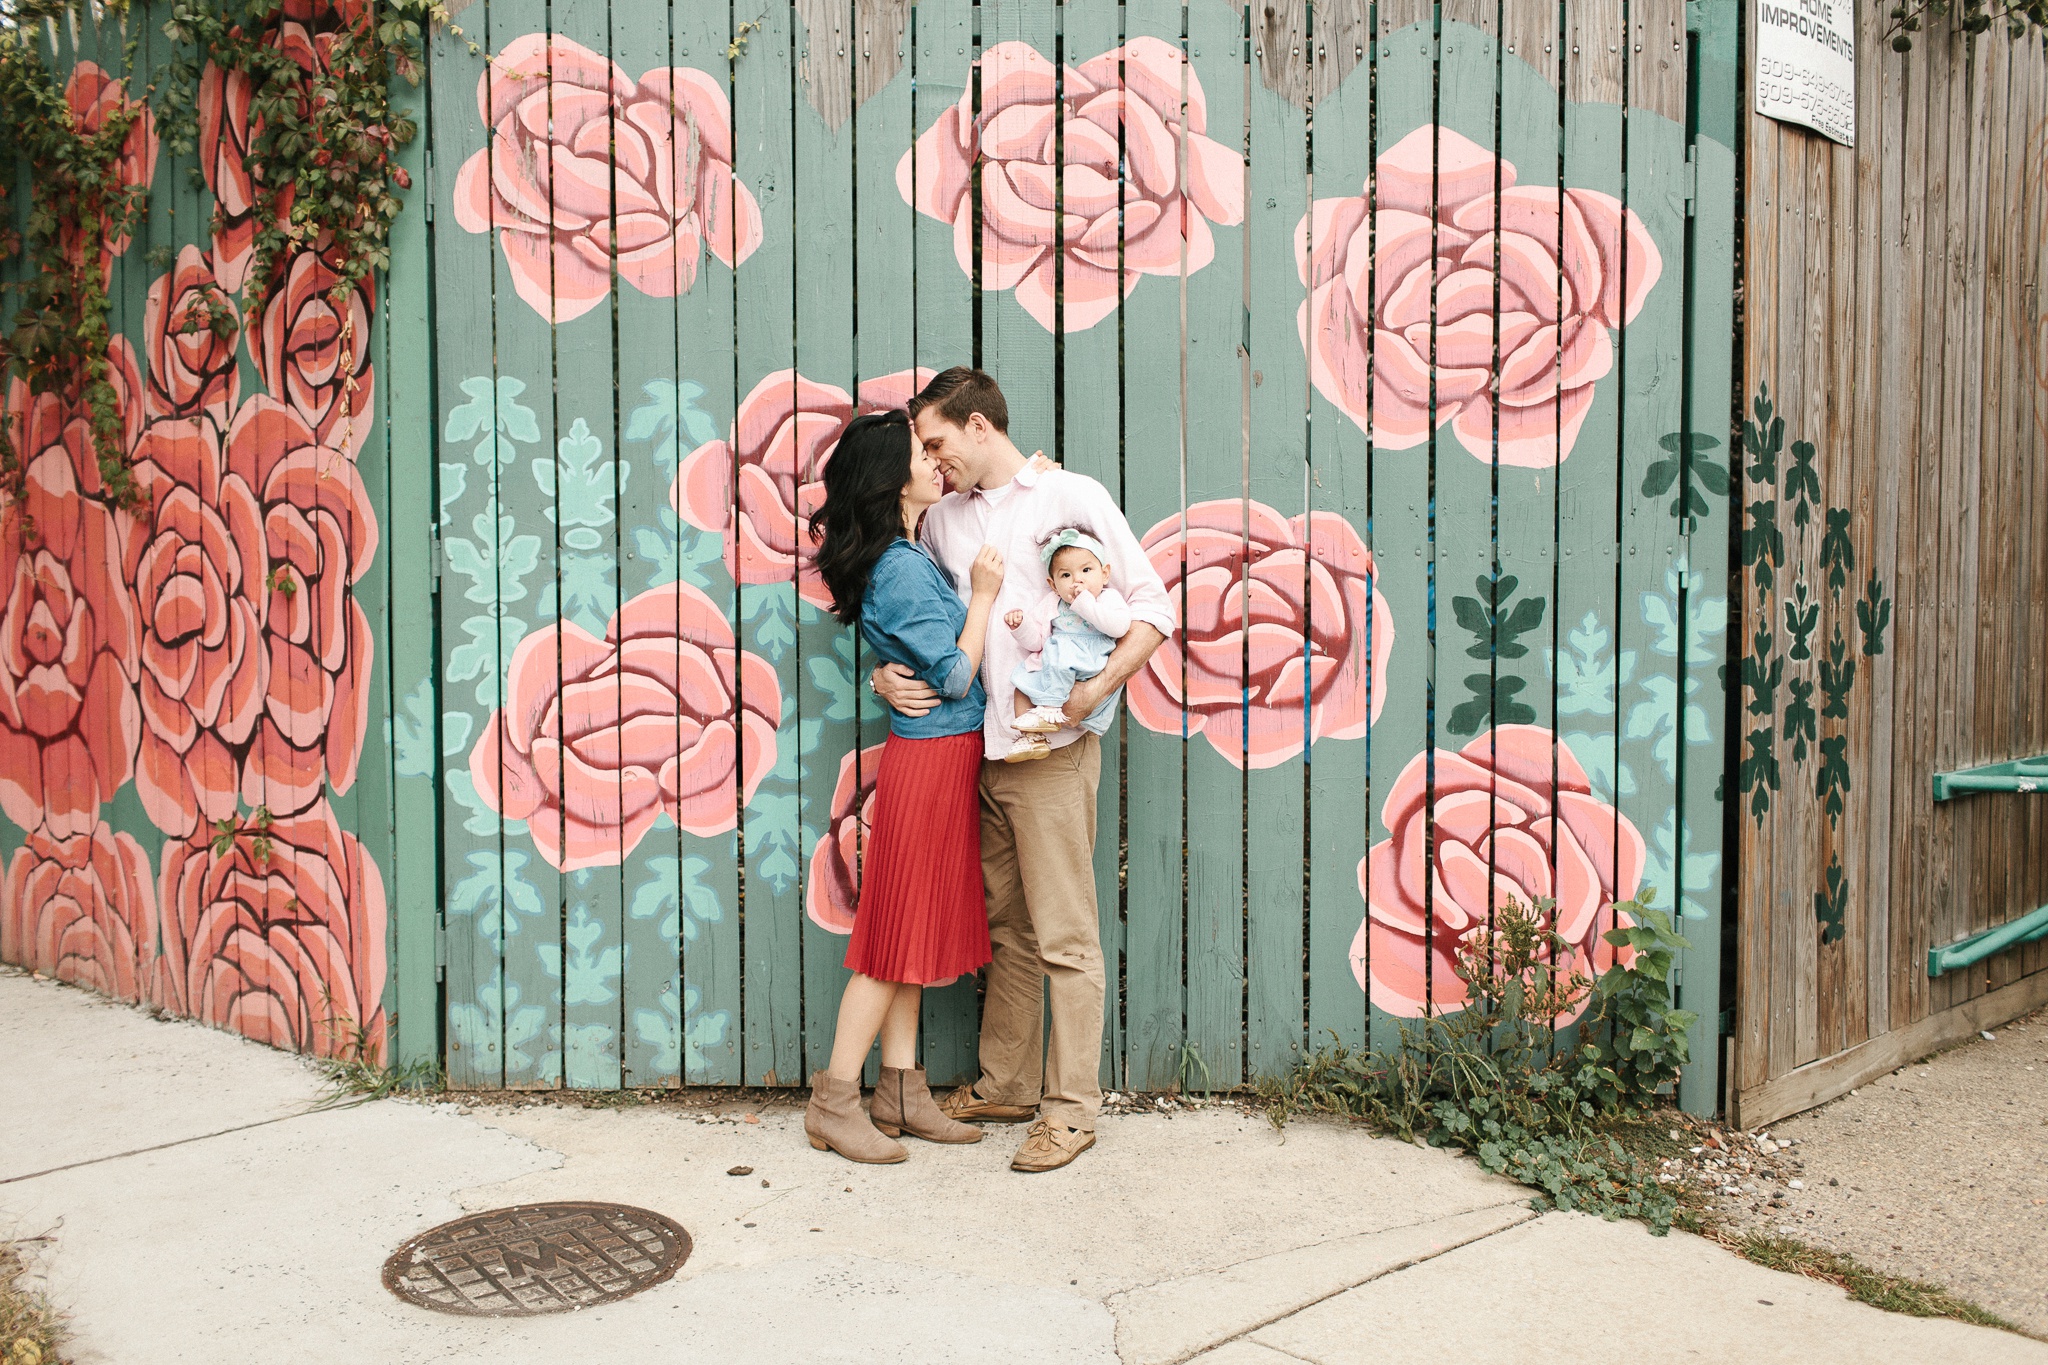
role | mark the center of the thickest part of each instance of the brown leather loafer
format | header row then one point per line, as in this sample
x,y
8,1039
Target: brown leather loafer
x,y
967,1107
1049,1146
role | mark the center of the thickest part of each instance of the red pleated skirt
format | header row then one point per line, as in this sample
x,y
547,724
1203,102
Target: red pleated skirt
x,y
922,917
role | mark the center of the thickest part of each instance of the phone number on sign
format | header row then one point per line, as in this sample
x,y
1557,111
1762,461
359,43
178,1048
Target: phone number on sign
x,y
1783,85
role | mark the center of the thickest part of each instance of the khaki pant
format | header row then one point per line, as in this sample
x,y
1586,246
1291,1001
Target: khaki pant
x,y
1038,865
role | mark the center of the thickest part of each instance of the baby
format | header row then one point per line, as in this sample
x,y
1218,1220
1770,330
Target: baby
x,y
1068,636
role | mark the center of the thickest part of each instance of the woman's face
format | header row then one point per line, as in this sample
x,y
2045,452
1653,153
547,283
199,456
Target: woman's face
x,y
927,485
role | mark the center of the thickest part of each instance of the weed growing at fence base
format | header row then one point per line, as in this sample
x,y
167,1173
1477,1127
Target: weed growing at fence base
x,y
29,1326
347,1080
1492,1080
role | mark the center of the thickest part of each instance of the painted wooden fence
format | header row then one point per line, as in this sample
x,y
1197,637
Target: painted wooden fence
x,y
1894,568
1401,335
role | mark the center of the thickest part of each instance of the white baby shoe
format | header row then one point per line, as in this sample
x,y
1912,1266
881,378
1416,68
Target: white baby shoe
x,y
1027,748
1042,720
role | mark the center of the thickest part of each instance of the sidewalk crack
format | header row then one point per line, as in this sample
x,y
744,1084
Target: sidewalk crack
x,y
159,1147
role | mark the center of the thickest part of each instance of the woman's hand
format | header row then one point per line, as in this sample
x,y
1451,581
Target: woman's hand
x,y
986,577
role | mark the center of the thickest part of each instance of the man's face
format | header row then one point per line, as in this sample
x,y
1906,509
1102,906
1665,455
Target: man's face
x,y
955,447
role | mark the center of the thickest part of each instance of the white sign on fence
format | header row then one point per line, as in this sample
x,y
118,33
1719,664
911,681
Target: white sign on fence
x,y
1806,64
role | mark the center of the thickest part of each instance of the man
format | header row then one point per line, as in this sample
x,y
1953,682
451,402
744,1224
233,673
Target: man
x,y
1037,818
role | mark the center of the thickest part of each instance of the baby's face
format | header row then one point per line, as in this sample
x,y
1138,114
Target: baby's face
x,y
1075,571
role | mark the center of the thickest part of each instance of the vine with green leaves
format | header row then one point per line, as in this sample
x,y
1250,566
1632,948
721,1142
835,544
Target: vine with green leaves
x,y
57,327
322,135
2017,17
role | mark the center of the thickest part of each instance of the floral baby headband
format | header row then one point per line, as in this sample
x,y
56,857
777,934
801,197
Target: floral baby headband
x,y
1074,538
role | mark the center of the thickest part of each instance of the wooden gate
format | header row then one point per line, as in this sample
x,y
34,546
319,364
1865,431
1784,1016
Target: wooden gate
x,y
1379,328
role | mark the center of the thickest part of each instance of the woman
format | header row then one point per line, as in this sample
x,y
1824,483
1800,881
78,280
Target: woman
x,y
921,916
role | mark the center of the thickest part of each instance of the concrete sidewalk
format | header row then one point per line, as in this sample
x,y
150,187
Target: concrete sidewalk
x,y
202,1212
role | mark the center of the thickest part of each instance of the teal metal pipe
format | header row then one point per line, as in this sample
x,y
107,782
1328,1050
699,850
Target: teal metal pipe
x,y
1977,947
2024,775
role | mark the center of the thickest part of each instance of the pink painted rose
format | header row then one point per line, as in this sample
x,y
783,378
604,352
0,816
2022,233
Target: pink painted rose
x,y
199,564
82,909
1503,809
280,937
1015,140
834,890
94,96
319,536
637,175
1554,343
225,132
69,638
786,430
1319,630
192,369
597,738
301,345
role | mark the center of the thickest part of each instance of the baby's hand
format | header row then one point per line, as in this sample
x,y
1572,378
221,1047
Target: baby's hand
x,y
1013,619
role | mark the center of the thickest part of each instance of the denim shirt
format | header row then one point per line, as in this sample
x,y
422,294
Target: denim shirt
x,y
910,615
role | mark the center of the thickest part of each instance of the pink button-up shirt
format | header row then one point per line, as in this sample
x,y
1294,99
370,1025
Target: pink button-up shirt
x,y
1015,518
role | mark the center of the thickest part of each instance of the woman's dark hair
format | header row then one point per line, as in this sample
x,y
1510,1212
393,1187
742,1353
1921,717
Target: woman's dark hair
x,y
863,510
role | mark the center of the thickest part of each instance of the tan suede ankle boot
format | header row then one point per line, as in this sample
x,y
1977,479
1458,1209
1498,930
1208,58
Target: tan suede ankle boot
x,y
904,1104
834,1121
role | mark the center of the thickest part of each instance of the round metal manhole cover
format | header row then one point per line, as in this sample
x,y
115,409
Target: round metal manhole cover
x,y
536,1258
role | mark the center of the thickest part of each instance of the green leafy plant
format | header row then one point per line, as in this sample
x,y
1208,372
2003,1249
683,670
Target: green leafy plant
x,y
2018,17
58,330
1496,1079
322,133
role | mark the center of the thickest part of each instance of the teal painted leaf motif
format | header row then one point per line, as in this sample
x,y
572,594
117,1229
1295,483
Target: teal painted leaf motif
x,y
679,1033
497,1019
772,835
675,891
1611,778
589,597
771,608
789,757
1763,436
1472,714
496,894
1686,451
497,413
833,675
1831,781
1831,907
591,968
454,482
484,655
496,562
1496,627
410,733
1802,481
482,820
579,486
1705,618
589,1056
1837,551
1658,717
677,552
1799,724
1586,679
1837,676
672,420
1873,615
1802,618
1665,867
455,728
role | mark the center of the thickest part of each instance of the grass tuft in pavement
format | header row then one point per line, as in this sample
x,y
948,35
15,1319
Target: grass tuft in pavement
x,y
1889,1292
349,1080
29,1326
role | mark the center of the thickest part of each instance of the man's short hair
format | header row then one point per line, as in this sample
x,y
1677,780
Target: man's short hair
x,y
961,392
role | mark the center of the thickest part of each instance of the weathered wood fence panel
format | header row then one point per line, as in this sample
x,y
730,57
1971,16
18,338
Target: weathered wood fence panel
x,y
1893,565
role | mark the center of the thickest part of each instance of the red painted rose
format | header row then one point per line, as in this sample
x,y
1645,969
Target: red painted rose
x,y
588,171
225,132
198,561
94,96
82,909
598,738
834,891
283,943
191,368
69,639
1319,633
319,536
314,359
786,430
1499,810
